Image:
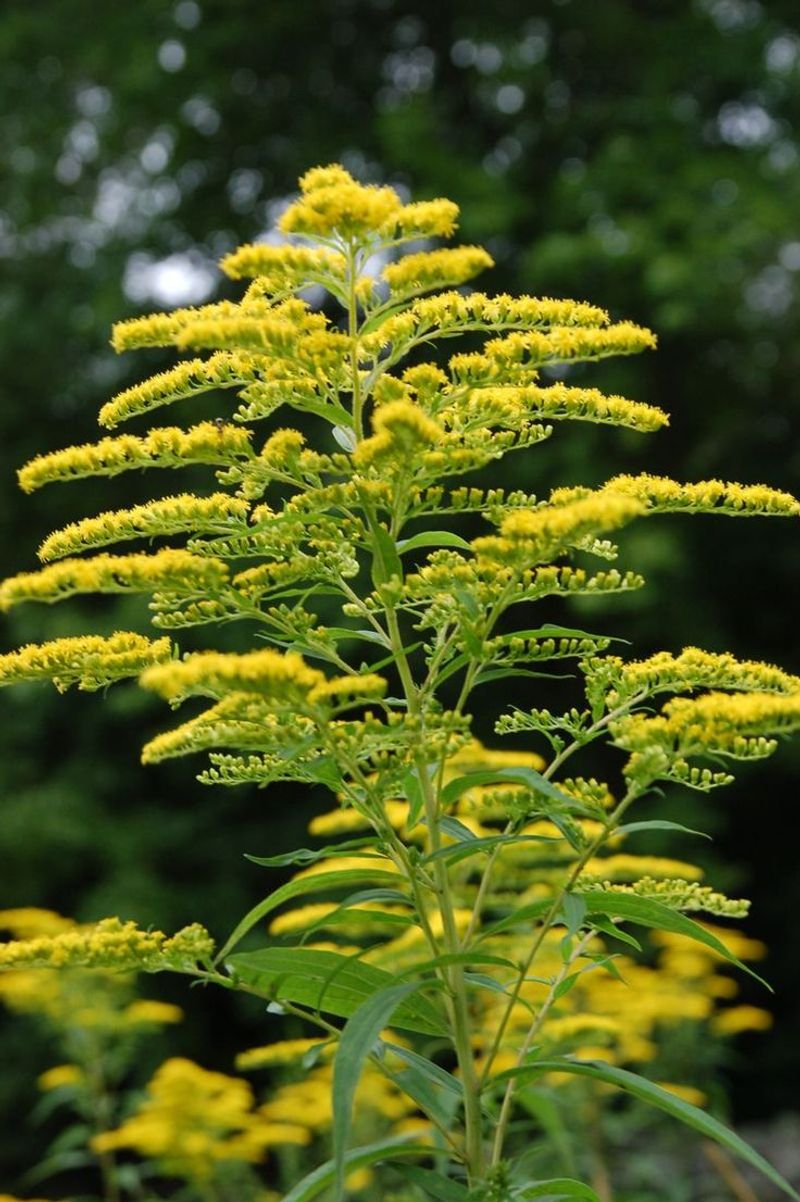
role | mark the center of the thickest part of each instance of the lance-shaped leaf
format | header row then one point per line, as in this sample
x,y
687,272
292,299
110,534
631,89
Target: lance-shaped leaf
x,y
654,1095
329,982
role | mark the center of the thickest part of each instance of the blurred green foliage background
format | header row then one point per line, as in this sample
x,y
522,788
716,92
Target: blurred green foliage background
x,y
643,156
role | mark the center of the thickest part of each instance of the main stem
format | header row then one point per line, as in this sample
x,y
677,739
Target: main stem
x,y
453,975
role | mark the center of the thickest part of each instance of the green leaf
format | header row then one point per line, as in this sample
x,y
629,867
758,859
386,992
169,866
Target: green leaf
x,y
468,957
502,673
573,908
456,830
323,1177
303,855
649,913
514,776
329,982
356,1043
541,1106
606,927
417,1087
524,914
464,850
386,562
435,1074
433,538
347,907
315,883
340,633
412,788
654,1095
558,1188
657,824
443,1189
563,987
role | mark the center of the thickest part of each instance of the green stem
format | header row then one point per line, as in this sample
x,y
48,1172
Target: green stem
x,y
533,1031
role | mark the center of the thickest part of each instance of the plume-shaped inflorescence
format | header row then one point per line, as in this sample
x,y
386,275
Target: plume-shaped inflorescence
x,y
350,548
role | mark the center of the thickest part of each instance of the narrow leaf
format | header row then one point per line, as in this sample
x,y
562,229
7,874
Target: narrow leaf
x,y
443,1189
657,824
386,562
649,913
329,982
303,855
558,1188
514,776
438,1076
315,883
356,1043
316,1182
653,1094
433,538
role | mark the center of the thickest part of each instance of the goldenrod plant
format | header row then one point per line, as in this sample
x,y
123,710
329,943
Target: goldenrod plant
x,y
97,1022
472,899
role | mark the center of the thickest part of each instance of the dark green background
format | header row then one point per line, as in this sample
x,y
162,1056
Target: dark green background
x,y
643,156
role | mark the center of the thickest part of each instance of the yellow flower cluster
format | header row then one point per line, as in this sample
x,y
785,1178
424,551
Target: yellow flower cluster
x,y
333,205
436,269
307,1103
281,268
227,369
284,1051
89,661
512,358
59,1077
169,569
161,329
111,944
238,720
537,536
450,313
94,1000
192,1119
169,446
715,722
181,514
691,669
212,673
401,429
707,496
559,401
27,922
677,894
631,868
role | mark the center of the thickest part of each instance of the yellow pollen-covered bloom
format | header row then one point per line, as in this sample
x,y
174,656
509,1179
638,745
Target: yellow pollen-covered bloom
x,y
110,944
169,446
741,1018
170,569
707,496
90,661
59,1076
539,535
284,1051
283,267
180,514
28,922
190,1120
400,430
335,205
212,673
436,269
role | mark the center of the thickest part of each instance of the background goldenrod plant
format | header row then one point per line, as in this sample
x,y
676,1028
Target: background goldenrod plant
x,y
487,892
